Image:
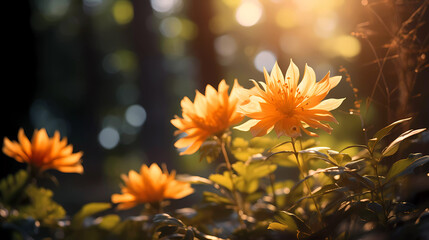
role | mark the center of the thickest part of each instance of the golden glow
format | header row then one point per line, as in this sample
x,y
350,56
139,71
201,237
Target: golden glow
x,y
317,5
248,13
286,18
347,46
326,25
123,12
231,3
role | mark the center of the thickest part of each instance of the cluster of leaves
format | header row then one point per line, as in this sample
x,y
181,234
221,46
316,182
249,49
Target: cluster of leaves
x,y
340,197
24,206
360,194
260,196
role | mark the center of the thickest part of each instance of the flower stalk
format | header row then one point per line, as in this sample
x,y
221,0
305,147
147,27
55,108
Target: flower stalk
x,y
301,170
235,194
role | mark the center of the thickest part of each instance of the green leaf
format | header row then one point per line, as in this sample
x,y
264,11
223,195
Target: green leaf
x,y
254,170
249,174
364,180
277,226
11,185
88,210
383,132
282,158
243,150
223,180
240,143
213,197
287,219
292,222
357,164
41,206
109,221
262,142
338,157
246,186
400,167
316,153
394,146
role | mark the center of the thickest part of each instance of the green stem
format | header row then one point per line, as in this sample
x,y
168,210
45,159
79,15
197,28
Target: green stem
x,y
235,197
272,180
305,181
380,187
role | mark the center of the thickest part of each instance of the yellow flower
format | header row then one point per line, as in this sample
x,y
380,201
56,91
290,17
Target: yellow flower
x,y
151,185
209,115
283,105
43,152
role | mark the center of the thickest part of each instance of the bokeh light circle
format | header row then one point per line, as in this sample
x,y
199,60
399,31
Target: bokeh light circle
x,y
108,138
265,59
135,115
248,13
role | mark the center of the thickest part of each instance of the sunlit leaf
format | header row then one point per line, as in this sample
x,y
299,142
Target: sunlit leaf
x,y
383,132
394,146
41,206
287,219
249,174
339,158
109,221
254,170
357,164
406,166
316,153
88,210
243,150
222,179
283,158
278,226
213,197
292,222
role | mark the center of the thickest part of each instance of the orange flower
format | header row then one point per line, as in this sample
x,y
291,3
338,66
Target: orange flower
x,y
151,185
43,152
209,115
283,105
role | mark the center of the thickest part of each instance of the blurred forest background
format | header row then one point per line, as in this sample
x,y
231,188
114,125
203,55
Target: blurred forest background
x,y
110,74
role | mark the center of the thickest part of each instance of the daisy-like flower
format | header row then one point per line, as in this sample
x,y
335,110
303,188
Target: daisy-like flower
x,y
283,105
44,153
209,115
149,186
